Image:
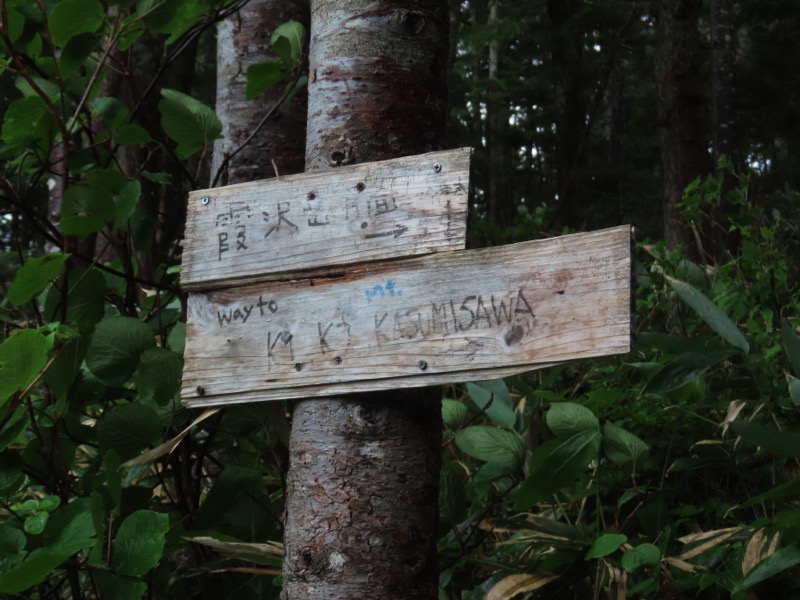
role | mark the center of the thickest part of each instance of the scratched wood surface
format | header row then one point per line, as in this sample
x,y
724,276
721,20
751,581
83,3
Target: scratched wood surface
x,y
456,316
374,211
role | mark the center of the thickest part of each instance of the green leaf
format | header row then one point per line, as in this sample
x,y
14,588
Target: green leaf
x,y
794,389
606,544
159,376
233,482
453,493
556,464
111,464
774,441
683,369
262,76
129,429
22,357
493,398
779,561
125,202
86,209
73,17
139,543
789,488
118,587
454,413
10,469
711,314
192,124
131,134
34,524
35,275
75,53
643,555
791,343
287,42
492,444
622,447
566,419
117,345
12,540
22,118
85,299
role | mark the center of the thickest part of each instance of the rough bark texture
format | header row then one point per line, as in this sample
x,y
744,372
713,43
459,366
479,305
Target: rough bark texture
x,y
362,498
682,110
244,39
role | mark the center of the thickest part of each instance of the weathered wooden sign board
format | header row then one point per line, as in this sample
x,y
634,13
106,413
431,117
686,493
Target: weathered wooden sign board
x,y
374,211
442,318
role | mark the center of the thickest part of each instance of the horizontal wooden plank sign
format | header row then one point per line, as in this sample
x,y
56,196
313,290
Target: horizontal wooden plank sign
x,y
449,317
374,211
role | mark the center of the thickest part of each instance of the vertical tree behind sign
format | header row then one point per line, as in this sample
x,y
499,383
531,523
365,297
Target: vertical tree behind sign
x,y
362,499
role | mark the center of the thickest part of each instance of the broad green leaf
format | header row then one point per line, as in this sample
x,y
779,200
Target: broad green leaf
x,y
10,469
779,561
125,202
556,464
606,544
22,357
192,124
794,389
13,428
159,375
129,429
73,17
12,540
454,413
139,543
789,488
791,342
66,368
86,209
642,556
111,464
262,76
711,314
453,493
287,41
85,306
157,14
622,447
34,524
566,419
683,369
493,398
119,587
492,444
22,118
112,110
117,345
131,133
35,275
494,470
770,439
233,482
75,53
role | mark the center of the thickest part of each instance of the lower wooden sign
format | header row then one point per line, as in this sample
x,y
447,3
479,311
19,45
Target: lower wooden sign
x,y
458,316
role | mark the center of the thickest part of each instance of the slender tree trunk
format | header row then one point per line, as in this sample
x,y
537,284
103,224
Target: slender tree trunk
x,y
566,52
723,119
682,110
362,498
244,39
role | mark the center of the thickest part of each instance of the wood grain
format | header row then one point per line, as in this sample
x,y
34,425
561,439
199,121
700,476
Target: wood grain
x,y
456,316
369,212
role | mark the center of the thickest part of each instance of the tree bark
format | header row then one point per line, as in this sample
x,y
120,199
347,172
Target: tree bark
x,y
682,110
244,39
362,490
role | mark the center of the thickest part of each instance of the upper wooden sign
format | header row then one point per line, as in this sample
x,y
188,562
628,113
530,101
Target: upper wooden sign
x,y
444,318
373,211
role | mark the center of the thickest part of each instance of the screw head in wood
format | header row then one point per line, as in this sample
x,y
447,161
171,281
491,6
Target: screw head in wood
x,y
437,167
205,200
422,364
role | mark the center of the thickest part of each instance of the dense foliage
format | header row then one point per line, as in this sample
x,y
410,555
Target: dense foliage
x,y
671,472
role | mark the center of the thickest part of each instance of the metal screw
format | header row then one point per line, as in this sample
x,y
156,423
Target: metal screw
x,y
337,360
422,364
360,186
205,200
437,167
298,367
311,195
201,391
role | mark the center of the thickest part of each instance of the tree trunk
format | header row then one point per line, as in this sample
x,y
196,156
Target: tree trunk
x,y
723,120
682,110
566,52
244,39
362,497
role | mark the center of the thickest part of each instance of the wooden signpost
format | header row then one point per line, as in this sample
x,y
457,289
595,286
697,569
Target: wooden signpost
x,y
443,318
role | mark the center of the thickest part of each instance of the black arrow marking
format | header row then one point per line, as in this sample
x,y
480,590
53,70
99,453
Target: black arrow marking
x,y
397,232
